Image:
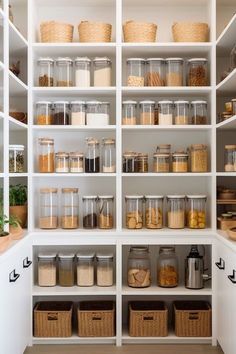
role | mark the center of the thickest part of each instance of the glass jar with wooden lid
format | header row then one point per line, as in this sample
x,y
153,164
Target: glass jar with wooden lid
x,y
105,211
46,155
108,155
48,214
62,162
161,162
142,162
230,158
198,158
76,162
70,208
180,162
92,156
164,149
130,162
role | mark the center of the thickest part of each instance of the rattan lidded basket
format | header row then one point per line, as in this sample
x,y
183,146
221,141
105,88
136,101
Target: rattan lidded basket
x,y
139,31
94,31
56,32
190,32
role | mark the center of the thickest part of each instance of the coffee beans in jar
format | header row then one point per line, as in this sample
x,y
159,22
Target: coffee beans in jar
x,y
130,162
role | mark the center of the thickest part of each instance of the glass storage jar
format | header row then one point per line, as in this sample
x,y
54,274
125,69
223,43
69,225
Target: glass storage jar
x,y
180,162
199,112
85,268
47,269
129,112
44,113
108,155
155,72
48,216
92,157
90,212
233,104
98,113
230,158
46,155
134,211
147,112
164,149
161,163
61,114
64,71
165,114
196,211
197,72
82,72
130,162
61,162
78,113
176,211
198,158
105,269
76,162
181,112
70,208
16,158
154,211
174,71
135,71
66,268
142,160
105,211
139,267
102,71
167,267
46,72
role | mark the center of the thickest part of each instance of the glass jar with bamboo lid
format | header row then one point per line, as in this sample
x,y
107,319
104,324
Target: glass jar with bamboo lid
x,y
46,155
70,208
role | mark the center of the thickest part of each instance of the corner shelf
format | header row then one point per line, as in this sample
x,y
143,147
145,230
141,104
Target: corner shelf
x,y
16,86
15,125
227,86
17,42
229,124
225,41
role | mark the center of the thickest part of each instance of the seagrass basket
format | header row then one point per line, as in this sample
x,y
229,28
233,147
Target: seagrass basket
x,y
190,32
139,31
56,32
94,31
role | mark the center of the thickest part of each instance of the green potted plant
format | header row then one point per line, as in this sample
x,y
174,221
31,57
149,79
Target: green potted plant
x,y
18,203
5,237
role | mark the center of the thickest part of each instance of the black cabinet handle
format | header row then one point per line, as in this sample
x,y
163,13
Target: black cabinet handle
x,y
220,264
13,276
26,263
232,277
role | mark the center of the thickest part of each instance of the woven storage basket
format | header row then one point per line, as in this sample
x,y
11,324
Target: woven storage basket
x,y
192,318
56,32
94,31
96,319
53,319
148,319
190,32
139,31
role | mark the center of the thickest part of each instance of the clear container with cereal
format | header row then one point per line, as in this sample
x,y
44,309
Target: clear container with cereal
x,y
196,211
180,162
64,70
66,268
69,208
199,112
147,115
129,112
154,211
135,71
165,112
105,272
46,72
47,269
181,113
82,72
197,72
176,211
139,267
174,71
199,158
85,268
167,267
102,72
48,215
105,211
134,211
46,155
155,72
44,113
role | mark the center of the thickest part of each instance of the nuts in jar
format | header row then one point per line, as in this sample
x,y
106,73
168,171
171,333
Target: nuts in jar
x,y
135,71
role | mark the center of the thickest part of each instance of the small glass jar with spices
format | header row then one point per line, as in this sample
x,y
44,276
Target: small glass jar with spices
x,y
78,113
196,211
139,267
142,160
180,162
47,269
85,268
105,276
48,215
108,155
66,268
197,72
105,211
44,113
46,155
167,267
161,162
135,71
176,211
46,72
92,156
154,211
64,72
102,72
90,212
230,158
199,112
61,162
155,72
129,112
76,162
147,112
61,114
82,72
69,208
174,71
130,162
16,158
198,158
181,112
134,211
165,112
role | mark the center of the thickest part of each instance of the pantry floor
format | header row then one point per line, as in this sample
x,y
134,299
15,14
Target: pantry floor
x,y
126,349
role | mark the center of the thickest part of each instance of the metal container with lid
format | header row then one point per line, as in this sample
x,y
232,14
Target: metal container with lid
x,y
47,269
167,267
194,269
90,212
176,211
46,155
102,71
230,158
174,71
92,156
66,268
85,268
105,211
130,162
147,115
61,114
181,112
155,72
154,211
64,71
196,211
135,71
139,267
16,158
70,208
129,112
105,268
108,155
82,72
45,71
61,162
180,162
76,162
48,214
197,72
44,113
134,211
199,112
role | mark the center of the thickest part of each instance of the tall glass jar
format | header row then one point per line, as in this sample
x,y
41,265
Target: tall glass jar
x,y
196,211
105,211
135,71
176,211
47,269
139,267
161,163
105,269
76,161
147,112
134,211
155,72
199,112
82,72
108,155
46,155
230,158
164,149
180,162
167,267
98,113
85,268
92,157
129,112
181,112
142,160
16,158
70,208
62,162
130,162
46,72
90,212
165,114
174,71
102,72
64,72
44,113
154,211
66,268
48,215
61,114
78,113
199,158
197,72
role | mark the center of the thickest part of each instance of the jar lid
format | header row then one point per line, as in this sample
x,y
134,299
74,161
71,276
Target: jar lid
x,y
175,196
199,102
165,102
200,146
62,154
70,190
174,59
157,154
166,249
47,255
76,154
48,190
129,154
141,154
164,146
196,59
66,255
61,102
65,59
46,141
135,59
105,103
83,59
155,59
85,255
129,102
89,197
196,196
47,59
181,102
147,102
226,215
93,102
105,197
43,102
105,255
229,147
180,154
101,59
154,196
108,141
134,197
77,102
17,147
139,249
92,141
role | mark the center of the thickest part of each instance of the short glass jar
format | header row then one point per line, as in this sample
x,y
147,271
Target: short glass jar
x,y
129,112
85,268
108,155
230,158
139,267
69,208
61,162
90,212
44,113
48,215
98,113
180,162
167,267
135,71
154,211
142,160
61,114
147,115
46,72
78,113
66,268
165,114
76,162
199,112
155,72
161,163
16,158
82,72
64,72
197,72
46,155
174,71
181,112
92,156
176,211
134,211
105,211
47,269
196,211
199,158
102,72
105,269
130,162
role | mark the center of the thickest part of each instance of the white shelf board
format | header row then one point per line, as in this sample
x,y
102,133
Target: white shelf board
x,y
228,124
18,175
75,128
226,39
166,127
75,340
63,175
164,90
228,85
17,43
14,124
226,174
2,66
170,174
16,86
74,91
73,290
158,291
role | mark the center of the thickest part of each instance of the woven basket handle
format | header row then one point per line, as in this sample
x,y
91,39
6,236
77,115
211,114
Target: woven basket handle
x,y
193,316
148,317
52,316
97,316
